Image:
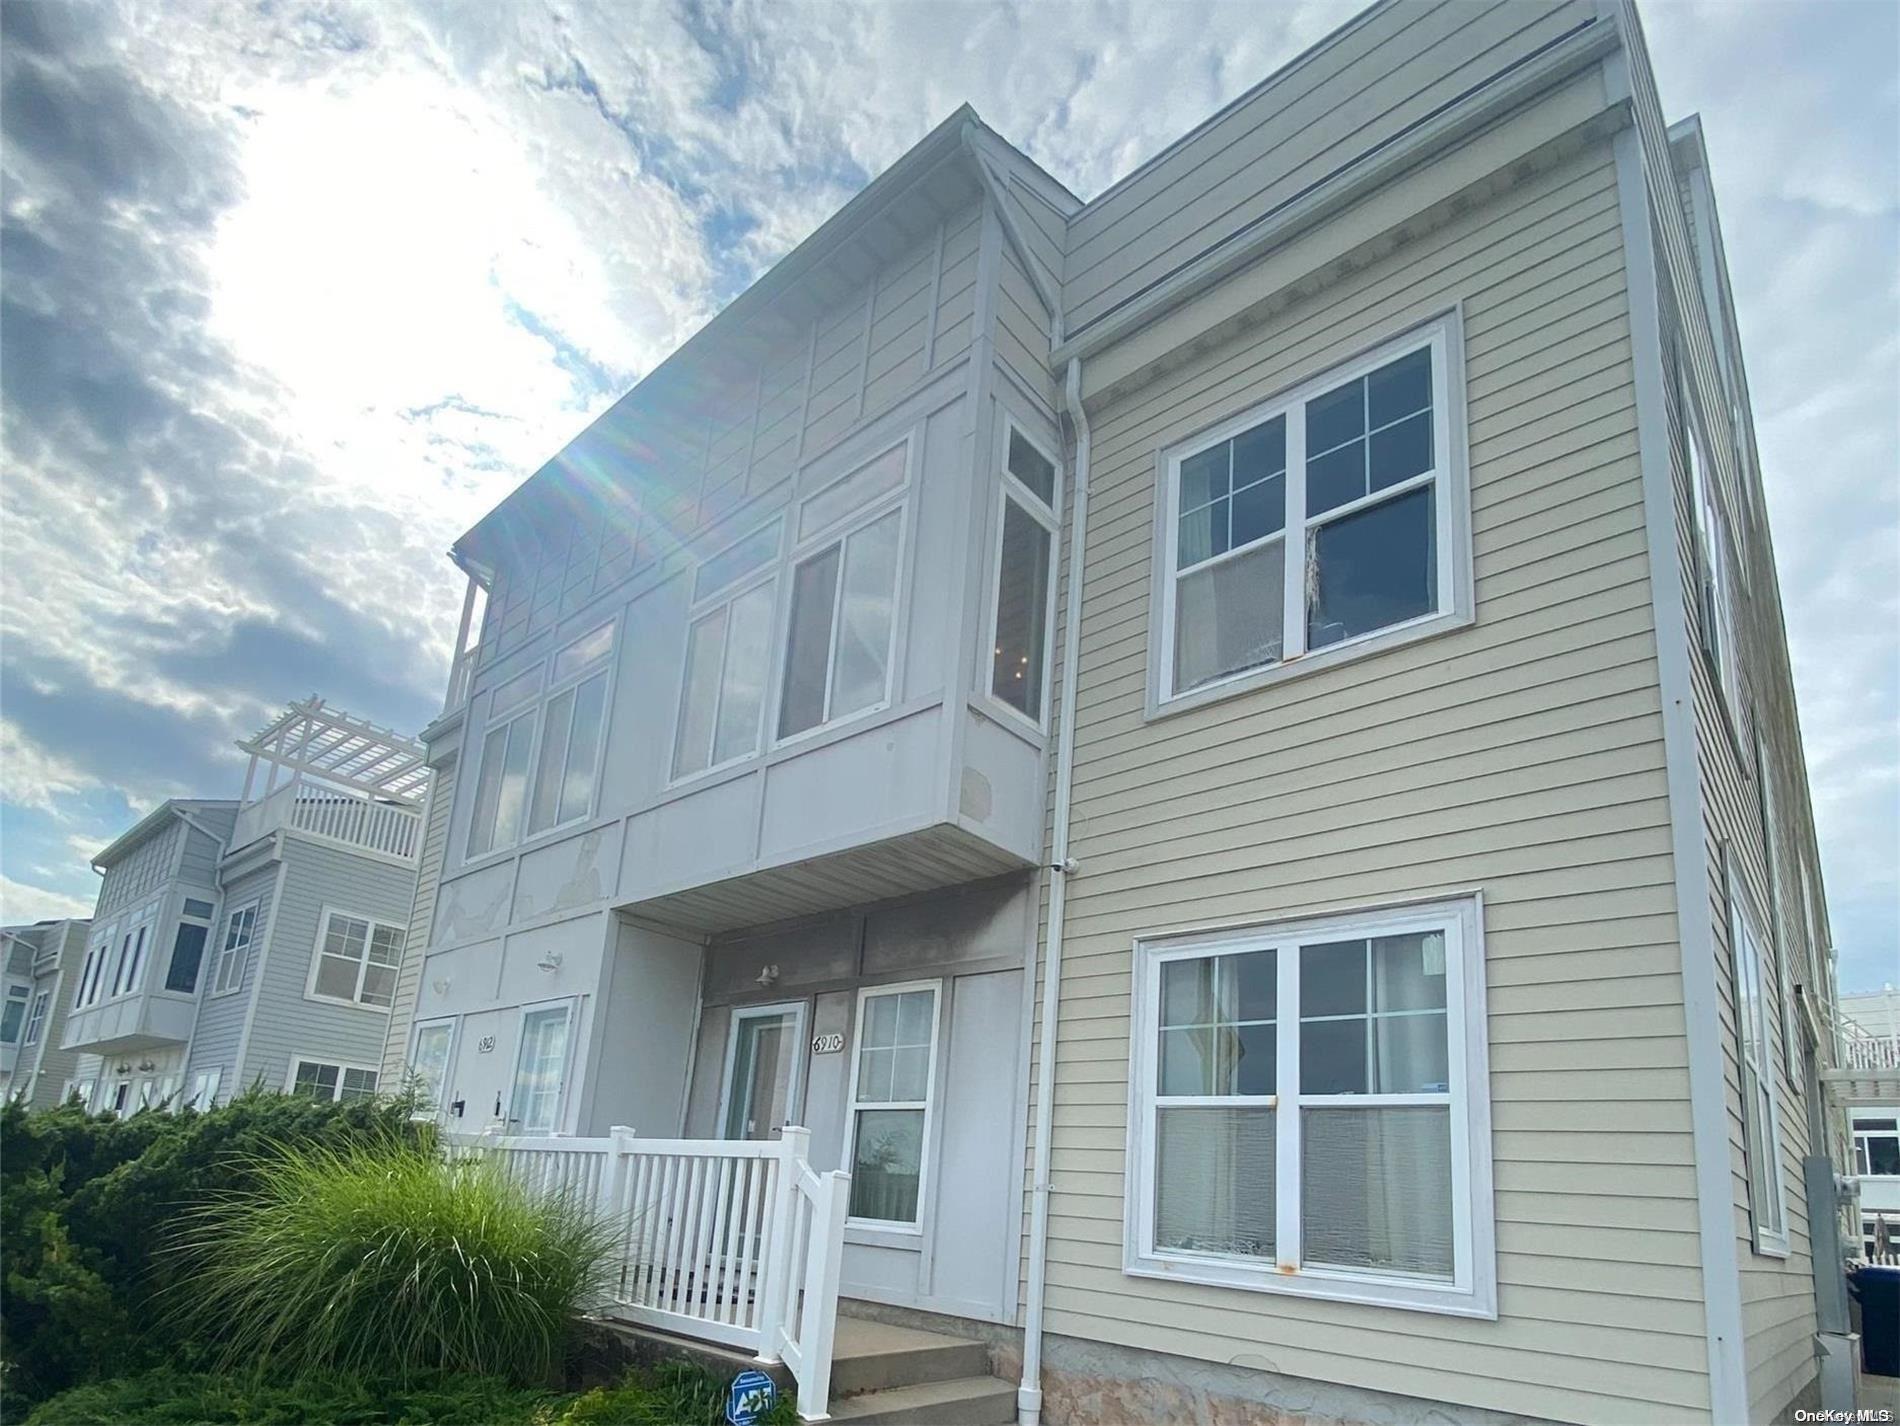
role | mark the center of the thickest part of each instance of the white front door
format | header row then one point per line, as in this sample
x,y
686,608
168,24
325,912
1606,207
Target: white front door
x,y
765,1062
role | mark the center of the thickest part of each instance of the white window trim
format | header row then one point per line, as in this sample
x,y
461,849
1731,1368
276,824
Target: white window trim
x,y
724,598
1047,514
1472,1292
92,970
845,469
854,1104
454,1023
298,1059
310,991
22,991
128,973
205,1085
795,1093
1450,476
837,534
1768,1242
37,1014
242,956
510,1119
536,708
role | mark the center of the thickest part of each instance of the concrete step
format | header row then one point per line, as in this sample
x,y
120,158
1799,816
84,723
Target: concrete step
x,y
963,1401
873,1356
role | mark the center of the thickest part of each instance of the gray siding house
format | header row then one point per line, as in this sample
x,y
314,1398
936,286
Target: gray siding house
x,y
1228,750
41,962
254,941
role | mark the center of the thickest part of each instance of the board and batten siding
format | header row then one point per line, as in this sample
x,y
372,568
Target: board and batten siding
x,y
916,316
1386,70
1522,756
286,1021
435,843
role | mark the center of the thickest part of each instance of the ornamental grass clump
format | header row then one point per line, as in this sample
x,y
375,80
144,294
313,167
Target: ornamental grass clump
x,y
386,1259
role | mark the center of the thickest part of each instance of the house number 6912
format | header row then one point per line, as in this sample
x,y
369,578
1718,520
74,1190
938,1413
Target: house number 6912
x,y
485,1044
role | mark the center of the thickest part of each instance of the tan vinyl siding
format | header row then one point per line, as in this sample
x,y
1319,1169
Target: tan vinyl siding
x,y
1522,756
1394,66
1022,329
435,841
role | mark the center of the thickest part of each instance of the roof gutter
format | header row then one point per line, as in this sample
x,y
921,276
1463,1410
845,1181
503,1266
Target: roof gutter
x,y
1062,867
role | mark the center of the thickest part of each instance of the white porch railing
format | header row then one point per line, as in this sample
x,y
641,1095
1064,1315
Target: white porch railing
x,y
388,827
728,1241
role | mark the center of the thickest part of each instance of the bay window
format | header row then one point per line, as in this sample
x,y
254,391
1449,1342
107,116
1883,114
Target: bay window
x,y
891,1079
1024,606
838,642
1312,1111
1323,519
728,653
541,750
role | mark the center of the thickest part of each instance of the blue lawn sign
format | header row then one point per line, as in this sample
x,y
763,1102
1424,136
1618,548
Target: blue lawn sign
x,y
750,1396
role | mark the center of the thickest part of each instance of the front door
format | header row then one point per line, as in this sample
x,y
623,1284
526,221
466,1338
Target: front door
x,y
764,1070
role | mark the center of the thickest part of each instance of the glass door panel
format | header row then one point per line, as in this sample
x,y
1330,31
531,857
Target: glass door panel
x,y
762,1084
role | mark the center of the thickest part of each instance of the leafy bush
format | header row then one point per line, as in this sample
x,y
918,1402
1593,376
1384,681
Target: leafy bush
x,y
385,1259
671,1394
86,1204
171,1398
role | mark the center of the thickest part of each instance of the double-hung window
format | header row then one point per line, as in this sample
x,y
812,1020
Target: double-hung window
x,y
728,654
1024,606
331,1083
240,927
429,1062
356,961
1326,517
1761,1116
534,1107
1312,1111
541,749
1877,1146
15,1013
844,598
36,1017
891,1081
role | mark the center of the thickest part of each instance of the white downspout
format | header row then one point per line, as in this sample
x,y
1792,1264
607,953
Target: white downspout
x,y
1029,1393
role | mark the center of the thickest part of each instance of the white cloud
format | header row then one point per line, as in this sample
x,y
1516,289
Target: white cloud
x,y
21,904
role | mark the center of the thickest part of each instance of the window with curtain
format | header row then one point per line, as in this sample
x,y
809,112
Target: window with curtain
x,y
1307,1096
1322,518
890,1102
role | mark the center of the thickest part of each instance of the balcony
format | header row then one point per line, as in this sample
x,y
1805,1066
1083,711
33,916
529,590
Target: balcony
x,y
137,1021
352,784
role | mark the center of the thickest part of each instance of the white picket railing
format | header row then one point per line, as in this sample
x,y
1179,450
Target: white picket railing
x,y
391,828
729,1241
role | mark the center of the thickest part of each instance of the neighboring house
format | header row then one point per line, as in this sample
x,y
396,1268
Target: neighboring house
x,y
1870,1026
1402,820
254,941
40,962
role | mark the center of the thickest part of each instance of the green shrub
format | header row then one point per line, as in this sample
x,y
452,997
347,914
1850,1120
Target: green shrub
x,y
671,1394
385,1259
86,1203
171,1398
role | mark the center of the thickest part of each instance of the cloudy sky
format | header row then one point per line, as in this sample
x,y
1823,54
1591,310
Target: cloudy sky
x,y
293,292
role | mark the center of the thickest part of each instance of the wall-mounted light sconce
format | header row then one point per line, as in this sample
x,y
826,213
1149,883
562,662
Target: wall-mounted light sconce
x,y
768,975
551,962
146,1066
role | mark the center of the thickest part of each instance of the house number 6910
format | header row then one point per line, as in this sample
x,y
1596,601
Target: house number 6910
x,y
827,1044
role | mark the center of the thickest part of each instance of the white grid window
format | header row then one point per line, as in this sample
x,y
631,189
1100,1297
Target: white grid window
x,y
240,927
540,1070
891,1080
1324,518
1761,1116
1024,604
1312,1113
36,1018
332,1083
356,961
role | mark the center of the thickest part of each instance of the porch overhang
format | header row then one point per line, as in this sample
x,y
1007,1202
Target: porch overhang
x,y
929,859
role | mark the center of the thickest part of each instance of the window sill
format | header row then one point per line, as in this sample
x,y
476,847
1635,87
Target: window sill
x,y
1365,646
1366,1289
1767,1245
875,1233
338,1000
